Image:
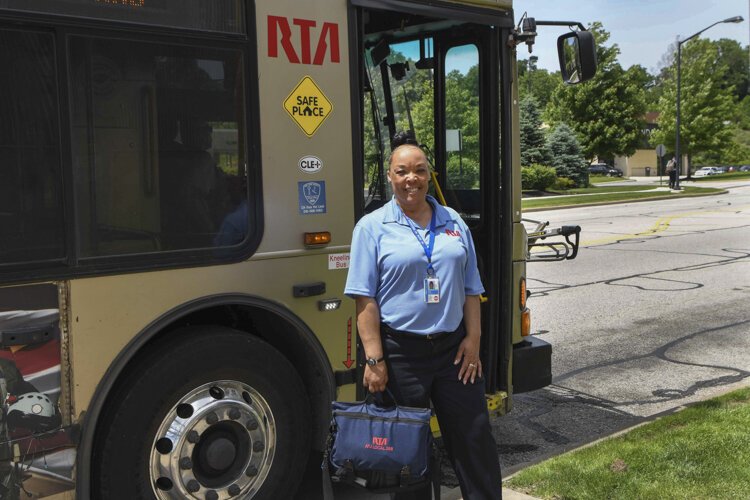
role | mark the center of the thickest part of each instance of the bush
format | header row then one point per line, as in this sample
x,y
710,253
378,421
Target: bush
x,y
563,184
537,177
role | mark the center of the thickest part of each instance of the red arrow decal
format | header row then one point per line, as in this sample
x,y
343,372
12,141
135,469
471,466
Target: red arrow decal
x,y
349,361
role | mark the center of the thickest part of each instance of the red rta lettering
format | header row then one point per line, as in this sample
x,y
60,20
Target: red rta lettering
x,y
279,31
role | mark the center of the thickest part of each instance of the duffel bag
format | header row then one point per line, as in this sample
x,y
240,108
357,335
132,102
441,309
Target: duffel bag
x,y
383,449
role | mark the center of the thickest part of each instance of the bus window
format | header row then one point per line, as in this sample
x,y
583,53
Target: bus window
x,y
225,16
31,208
462,128
409,91
158,160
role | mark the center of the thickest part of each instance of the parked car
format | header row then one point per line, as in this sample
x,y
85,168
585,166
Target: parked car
x,y
604,169
704,171
598,169
745,168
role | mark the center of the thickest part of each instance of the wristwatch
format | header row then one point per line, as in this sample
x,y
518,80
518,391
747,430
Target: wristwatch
x,y
373,361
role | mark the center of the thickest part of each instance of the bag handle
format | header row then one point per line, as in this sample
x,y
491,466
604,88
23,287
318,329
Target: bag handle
x,y
377,398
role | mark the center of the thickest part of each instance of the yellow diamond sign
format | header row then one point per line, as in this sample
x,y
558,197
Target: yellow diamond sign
x,y
308,106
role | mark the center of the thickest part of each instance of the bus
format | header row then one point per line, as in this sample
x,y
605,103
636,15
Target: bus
x,y
179,181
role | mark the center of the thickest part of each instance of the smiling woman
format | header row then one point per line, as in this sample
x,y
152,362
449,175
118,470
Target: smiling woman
x,y
415,281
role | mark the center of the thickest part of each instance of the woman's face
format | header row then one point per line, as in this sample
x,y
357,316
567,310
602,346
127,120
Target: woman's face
x,y
409,175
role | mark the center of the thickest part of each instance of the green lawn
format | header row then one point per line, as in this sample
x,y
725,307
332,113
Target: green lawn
x,y
700,452
612,194
604,189
597,179
729,176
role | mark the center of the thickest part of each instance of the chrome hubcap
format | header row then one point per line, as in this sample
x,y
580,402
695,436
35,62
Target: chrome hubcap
x,y
216,443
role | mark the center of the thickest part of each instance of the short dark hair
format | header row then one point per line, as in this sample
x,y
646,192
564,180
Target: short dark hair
x,y
401,139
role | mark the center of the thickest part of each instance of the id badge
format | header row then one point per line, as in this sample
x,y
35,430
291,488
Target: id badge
x,y
432,290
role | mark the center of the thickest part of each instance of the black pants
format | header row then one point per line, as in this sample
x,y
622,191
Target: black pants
x,y
420,370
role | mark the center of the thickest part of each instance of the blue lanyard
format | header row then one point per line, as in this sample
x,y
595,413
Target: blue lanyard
x,y
427,248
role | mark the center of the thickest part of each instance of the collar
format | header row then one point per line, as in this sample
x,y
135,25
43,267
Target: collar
x,y
393,213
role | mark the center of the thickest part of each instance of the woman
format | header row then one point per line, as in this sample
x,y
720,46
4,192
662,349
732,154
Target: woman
x,y
414,277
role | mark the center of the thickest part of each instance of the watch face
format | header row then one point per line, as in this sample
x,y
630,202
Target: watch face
x,y
371,361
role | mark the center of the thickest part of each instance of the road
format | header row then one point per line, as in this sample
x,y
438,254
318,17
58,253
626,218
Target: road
x,y
651,316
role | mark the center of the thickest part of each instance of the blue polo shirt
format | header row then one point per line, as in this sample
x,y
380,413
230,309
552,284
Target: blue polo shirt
x,y
388,263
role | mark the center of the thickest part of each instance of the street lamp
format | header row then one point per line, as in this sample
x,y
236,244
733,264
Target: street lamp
x,y
735,19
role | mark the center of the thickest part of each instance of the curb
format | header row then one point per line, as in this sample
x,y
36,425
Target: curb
x,y
620,202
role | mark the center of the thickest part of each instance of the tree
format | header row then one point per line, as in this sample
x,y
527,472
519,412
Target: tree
x,y
737,74
538,83
566,154
705,103
533,144
606,112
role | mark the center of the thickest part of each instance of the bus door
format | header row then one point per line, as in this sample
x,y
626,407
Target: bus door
x,y
437,78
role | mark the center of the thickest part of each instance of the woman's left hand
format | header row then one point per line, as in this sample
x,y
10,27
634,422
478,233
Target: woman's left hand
x,y
468,356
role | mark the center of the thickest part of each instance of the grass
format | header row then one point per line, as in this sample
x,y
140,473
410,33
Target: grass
x,y
613,194
729,176
604,189
700,452
604,178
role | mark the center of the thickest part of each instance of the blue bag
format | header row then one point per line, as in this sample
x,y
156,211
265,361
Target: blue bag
x,y
383,449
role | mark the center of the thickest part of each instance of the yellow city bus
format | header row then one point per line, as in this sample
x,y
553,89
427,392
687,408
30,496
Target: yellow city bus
x,y
179,181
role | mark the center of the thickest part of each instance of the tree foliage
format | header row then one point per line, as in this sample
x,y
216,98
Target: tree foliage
x,y
538,83
533,144
706,103
566,157
737,75
606,112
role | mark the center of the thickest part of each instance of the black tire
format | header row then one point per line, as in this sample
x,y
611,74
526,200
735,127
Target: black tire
x,y
155,389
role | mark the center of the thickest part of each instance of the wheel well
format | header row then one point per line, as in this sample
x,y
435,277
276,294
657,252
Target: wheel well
x,y
285,337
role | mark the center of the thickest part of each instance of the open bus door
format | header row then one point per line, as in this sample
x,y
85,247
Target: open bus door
x,y
442,79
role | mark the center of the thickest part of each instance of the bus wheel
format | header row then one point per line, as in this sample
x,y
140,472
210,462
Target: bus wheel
x,y
212,413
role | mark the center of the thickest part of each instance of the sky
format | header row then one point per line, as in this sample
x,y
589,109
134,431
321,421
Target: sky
x,y
643,29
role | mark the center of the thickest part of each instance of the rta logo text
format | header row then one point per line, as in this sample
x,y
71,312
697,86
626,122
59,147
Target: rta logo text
x,y
379,443
279,31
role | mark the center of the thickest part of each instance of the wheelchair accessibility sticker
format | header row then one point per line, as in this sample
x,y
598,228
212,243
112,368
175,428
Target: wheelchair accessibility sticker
x,y
312,197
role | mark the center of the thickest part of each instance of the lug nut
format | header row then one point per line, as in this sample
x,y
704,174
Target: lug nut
x,y
258,446
251,424
193,437
251,471
193,486
186,463
234,490
234,414
212,418
212,495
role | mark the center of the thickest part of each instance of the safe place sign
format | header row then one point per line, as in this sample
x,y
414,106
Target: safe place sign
x,y
308,106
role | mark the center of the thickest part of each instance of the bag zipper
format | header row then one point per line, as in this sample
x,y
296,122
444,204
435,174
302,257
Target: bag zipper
x,y
361,416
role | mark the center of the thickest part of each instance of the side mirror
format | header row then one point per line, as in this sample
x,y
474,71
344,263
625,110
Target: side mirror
x,y
577,53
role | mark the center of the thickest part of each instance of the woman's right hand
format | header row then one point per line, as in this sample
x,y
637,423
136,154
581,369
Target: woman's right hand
x,y
376,377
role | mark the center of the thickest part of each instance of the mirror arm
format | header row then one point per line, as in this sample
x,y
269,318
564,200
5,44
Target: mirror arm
x,y
561,23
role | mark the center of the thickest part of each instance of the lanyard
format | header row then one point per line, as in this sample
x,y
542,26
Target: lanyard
x,y
426,247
